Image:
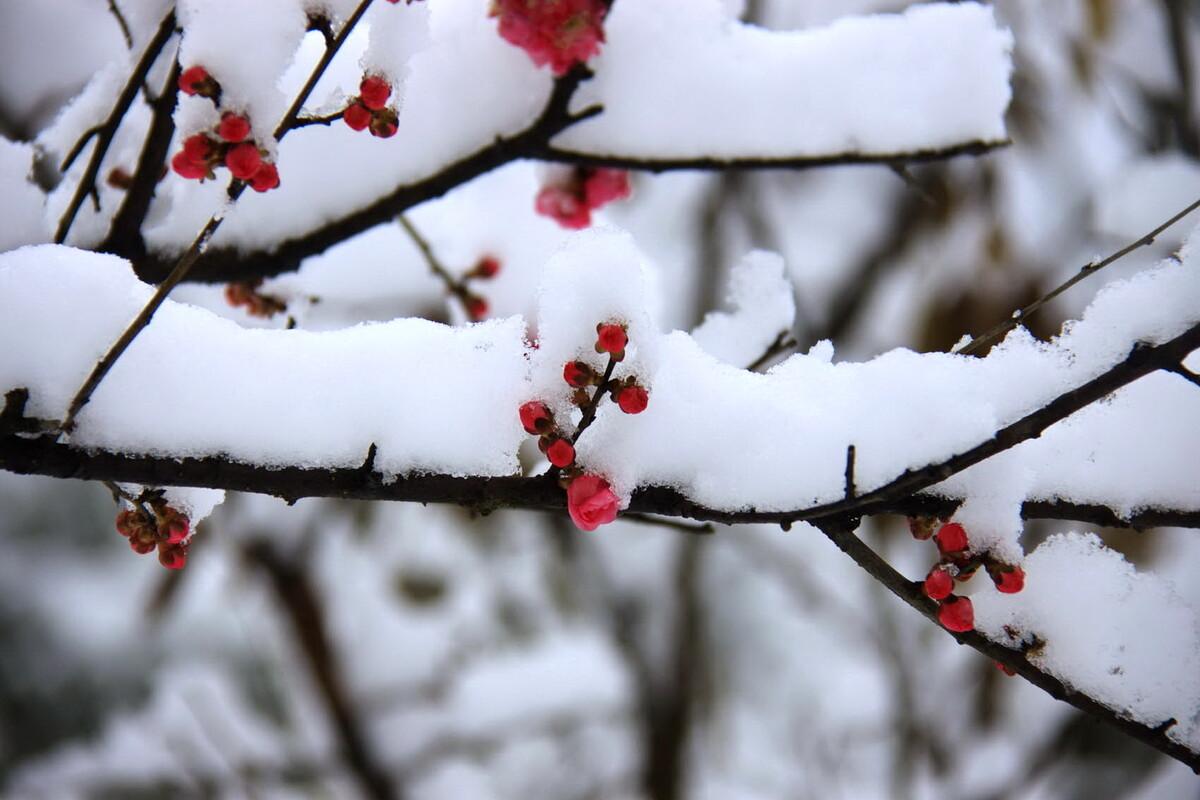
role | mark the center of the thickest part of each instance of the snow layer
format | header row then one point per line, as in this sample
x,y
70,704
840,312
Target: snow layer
x,y
934,76
672,78
736,440
763,308
1124,638
431,397
441,399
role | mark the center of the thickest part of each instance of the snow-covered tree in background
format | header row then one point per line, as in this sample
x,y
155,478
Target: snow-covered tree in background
x,y
471,254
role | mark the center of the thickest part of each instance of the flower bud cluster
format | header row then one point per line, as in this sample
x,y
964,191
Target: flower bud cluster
x,y
229,144
155,525
591,502
956,564
370,111
558,33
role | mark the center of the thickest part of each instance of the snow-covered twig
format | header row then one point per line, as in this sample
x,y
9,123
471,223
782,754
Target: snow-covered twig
x,y
105,132
994,335
125,232
200,243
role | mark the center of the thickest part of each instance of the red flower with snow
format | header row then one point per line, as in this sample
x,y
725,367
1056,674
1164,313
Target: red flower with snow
x,y
1010,580
578,374
558,33
591,502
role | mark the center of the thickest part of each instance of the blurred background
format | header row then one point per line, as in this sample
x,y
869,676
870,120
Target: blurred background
x,y
335,649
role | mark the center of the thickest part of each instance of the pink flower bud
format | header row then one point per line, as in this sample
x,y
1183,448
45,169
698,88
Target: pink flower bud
x,y
591,502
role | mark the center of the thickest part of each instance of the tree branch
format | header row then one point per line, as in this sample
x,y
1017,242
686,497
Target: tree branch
x,y
42,455
910,592
303,609
229,264
125,234
108,129
200,243
977,344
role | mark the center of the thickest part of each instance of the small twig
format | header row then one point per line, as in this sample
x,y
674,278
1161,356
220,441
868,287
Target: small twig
x,y
455,287
144,316
200,244
687,527
331,50
327,119
125,233
589,411
901,171
77,148
980,342
783,343
108,129
116,12
851,491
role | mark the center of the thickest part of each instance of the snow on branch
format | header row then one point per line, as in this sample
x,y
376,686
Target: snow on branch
x,y
437,406
666,92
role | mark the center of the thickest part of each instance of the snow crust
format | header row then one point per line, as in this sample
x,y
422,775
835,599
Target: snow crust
x,y
443,399
431,397
871,84
762,308
1124,638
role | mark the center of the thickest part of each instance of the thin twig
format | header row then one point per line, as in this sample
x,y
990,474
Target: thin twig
x,y
144,316
455,287
980,342
108,129
200,243
125,233
116,12
589,411
327,119
663,522
783,343
331,50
